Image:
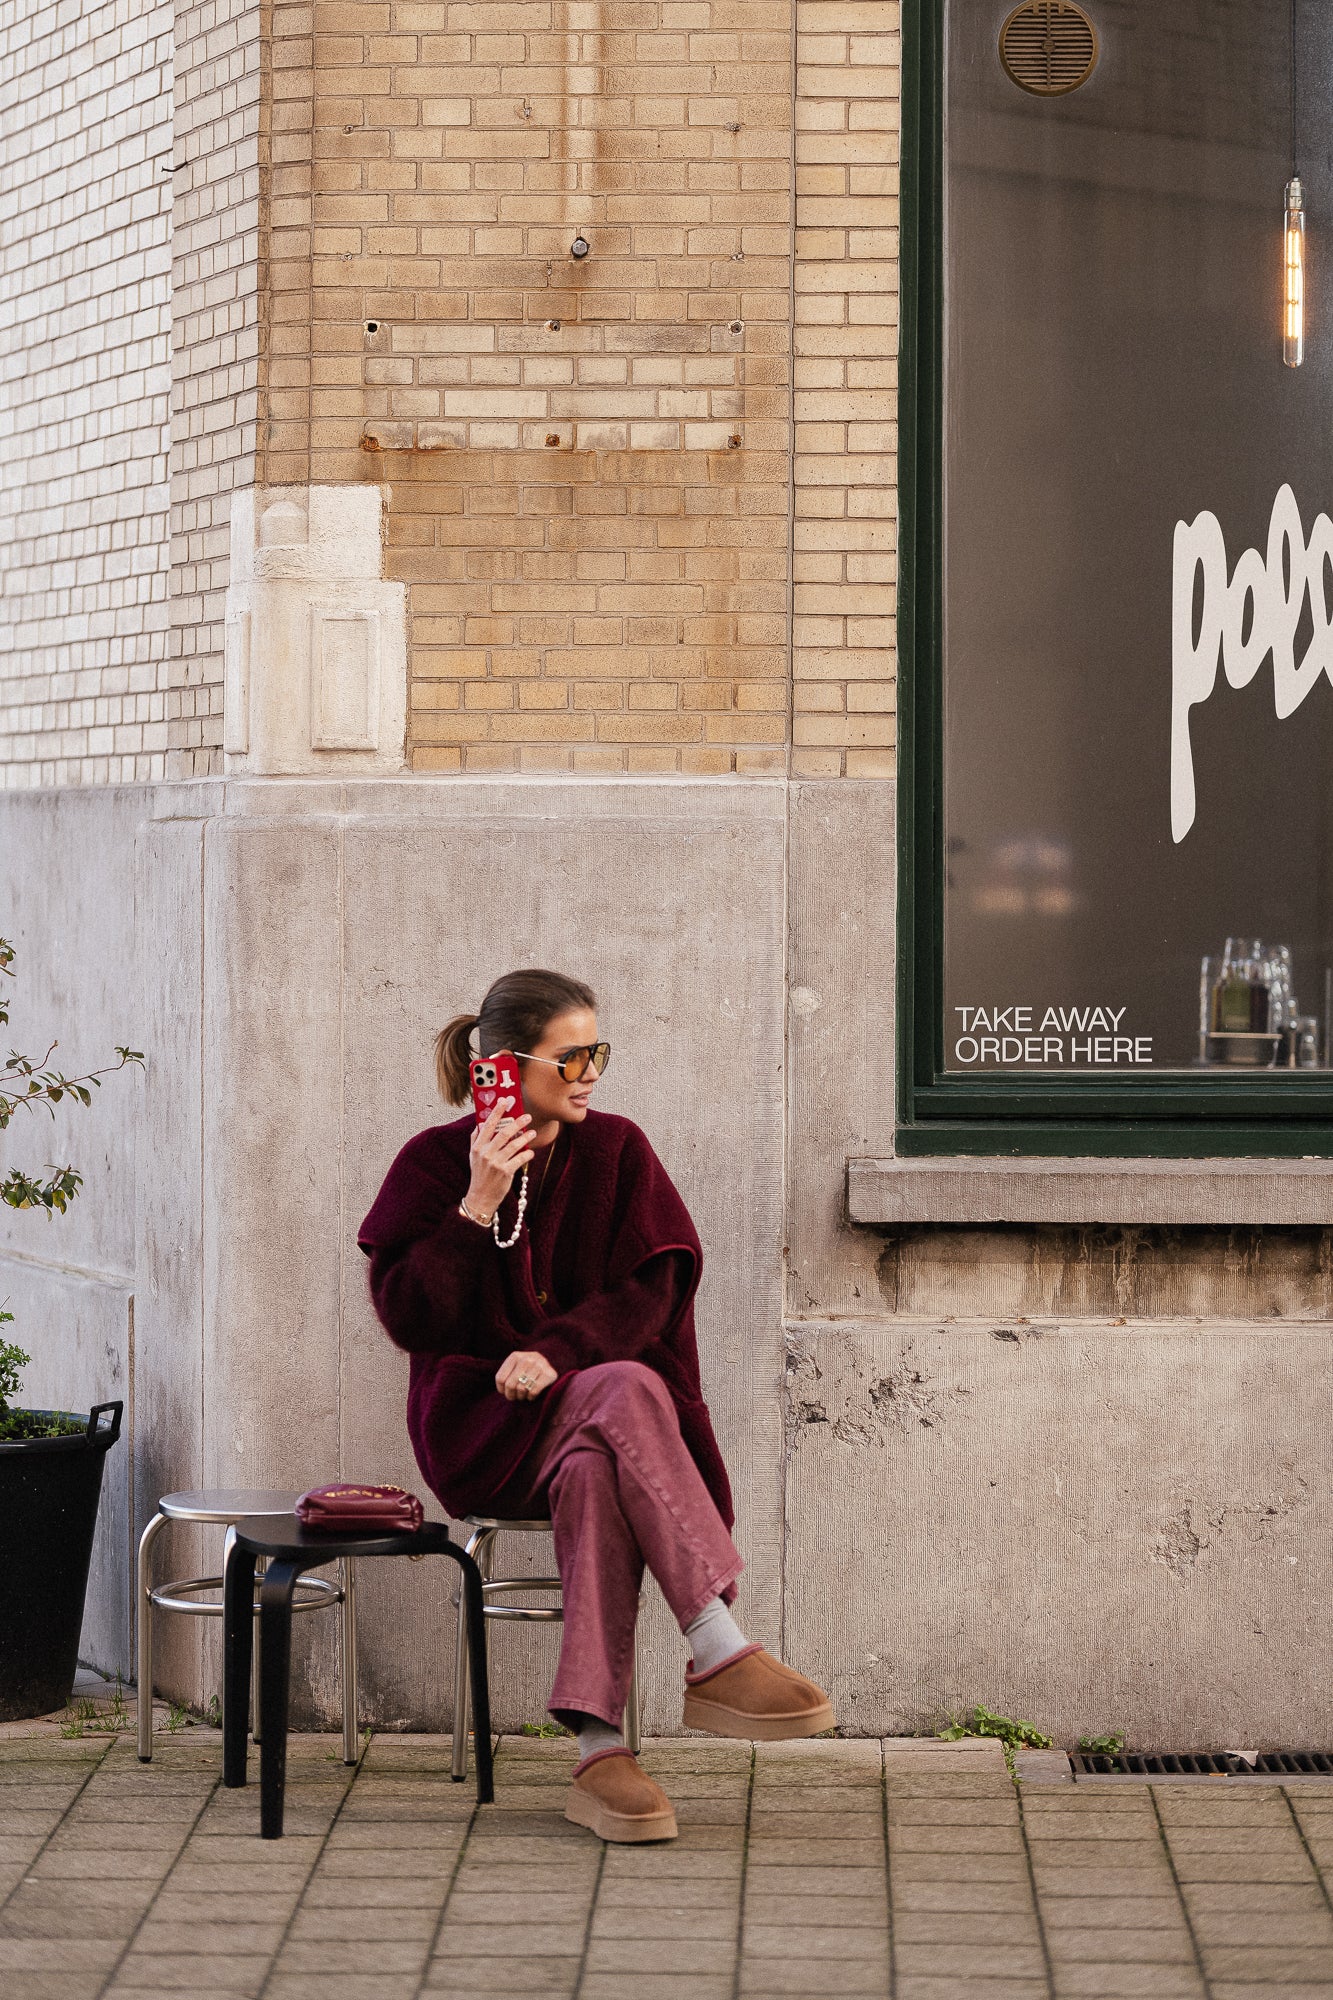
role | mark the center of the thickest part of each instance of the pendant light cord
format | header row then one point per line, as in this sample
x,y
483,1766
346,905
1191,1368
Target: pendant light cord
x,y
1293,89
1293,167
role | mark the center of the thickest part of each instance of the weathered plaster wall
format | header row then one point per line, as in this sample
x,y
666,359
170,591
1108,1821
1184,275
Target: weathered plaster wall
x,y
1101,1528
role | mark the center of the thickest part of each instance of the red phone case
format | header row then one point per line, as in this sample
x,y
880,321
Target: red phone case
x,y
495,1081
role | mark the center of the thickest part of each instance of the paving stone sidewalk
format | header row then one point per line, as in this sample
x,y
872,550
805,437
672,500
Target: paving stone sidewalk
x,y
831,1868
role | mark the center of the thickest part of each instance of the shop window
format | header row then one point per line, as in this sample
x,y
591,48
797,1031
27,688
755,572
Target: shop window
x,y
1116,622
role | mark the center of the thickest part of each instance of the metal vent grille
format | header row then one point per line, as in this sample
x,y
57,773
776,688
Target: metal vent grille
x,y
1220,1764
1048,47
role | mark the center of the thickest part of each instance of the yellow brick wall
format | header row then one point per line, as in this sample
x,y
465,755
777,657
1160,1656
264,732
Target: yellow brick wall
x,y
595,611
845,369
587,462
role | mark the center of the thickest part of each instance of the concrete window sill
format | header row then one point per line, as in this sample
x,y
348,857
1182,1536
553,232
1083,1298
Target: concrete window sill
x,y
1213,1192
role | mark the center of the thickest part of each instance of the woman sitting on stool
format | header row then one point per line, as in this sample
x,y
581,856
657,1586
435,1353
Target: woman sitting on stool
x,y
554,1372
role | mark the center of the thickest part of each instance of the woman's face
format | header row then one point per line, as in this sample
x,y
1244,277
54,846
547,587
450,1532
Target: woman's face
x,y
545,1092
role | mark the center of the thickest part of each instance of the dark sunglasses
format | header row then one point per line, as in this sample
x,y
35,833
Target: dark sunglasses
x,y
576,1063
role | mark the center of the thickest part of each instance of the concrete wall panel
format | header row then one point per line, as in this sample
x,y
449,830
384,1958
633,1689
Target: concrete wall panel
x,y
840,1032
1094,1527
676,920
169,1331
67,903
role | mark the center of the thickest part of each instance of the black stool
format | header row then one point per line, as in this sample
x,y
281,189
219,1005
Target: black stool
x,y
290,1549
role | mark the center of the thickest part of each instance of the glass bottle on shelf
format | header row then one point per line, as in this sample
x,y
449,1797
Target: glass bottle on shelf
x,y
1231,995
1257,973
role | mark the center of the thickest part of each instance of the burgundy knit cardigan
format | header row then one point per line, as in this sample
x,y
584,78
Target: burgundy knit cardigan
x,y
605,1269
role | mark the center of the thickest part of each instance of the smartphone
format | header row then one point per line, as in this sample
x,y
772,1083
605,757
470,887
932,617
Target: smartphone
x,y
495,1081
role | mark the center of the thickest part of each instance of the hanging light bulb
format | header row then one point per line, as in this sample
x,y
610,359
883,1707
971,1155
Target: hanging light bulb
x,y
1293,277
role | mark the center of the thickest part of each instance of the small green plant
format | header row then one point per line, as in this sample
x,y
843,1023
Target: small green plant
x,y
27,1084
178,1718
1012,1735
1102,1746
86,1716
118,1715
545,1729
981,1721
213,1713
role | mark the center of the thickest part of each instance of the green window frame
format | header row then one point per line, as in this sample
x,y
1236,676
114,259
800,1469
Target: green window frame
x,y
1171,1116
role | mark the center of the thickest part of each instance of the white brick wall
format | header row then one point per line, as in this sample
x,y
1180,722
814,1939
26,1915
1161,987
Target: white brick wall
x,y
218,276
85,168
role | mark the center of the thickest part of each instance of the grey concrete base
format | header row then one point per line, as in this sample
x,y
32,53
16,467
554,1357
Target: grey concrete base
x,y
1095,1528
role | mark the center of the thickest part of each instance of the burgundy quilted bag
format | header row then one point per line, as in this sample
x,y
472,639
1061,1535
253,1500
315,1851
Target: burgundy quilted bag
x,y
344,1508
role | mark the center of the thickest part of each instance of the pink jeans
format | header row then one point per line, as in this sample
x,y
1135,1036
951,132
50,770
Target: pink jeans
x,y
612,1471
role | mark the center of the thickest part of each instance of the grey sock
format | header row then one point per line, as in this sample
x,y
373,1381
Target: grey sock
x,y
714,1636
594,1734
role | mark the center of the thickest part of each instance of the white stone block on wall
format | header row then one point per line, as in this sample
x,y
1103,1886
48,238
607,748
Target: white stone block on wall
x,y
316,638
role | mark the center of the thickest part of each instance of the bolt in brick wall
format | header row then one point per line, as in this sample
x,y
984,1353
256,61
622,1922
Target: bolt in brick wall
x,y
85,139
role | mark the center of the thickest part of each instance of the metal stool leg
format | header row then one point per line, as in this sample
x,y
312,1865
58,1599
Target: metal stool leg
x,y
256,1682
347,1625
145,1637
633,1736
479,1544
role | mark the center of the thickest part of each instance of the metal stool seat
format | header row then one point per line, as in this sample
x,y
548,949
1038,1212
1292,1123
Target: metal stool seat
x,y
480,1546
224,1506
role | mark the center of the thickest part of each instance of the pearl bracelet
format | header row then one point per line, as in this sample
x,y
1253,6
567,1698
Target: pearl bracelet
x,y
493,1222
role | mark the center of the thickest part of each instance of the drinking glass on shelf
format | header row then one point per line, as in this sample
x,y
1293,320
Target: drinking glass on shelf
x,y
1282,1009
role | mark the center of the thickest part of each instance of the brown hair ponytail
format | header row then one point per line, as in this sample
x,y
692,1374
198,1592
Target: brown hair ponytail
x,y
453,1052
514,1015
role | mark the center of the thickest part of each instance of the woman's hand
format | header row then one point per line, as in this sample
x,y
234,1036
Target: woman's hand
x,y
498,1150
523,1376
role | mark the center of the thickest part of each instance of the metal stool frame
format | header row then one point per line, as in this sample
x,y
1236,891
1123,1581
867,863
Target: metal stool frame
x,y
224,1508
480,1545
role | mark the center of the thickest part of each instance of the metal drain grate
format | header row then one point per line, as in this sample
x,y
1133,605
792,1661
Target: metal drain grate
x,y
1206,1764
1048,47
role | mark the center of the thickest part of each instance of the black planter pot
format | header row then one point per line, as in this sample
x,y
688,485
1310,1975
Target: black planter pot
x,y
49,1490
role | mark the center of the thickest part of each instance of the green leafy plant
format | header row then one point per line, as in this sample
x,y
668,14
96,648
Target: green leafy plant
x,y
545,1729
1012,1735
28,1084
1102,1746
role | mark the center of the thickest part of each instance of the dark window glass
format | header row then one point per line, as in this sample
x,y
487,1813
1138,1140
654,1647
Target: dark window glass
x,y
1138,551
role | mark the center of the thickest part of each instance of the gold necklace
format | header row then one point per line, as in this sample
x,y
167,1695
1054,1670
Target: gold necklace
x,y
546,1168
